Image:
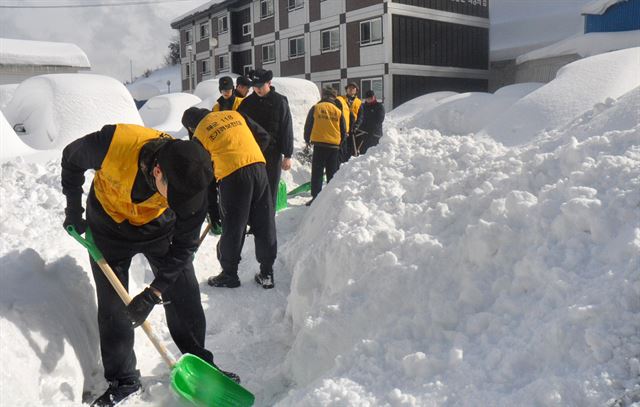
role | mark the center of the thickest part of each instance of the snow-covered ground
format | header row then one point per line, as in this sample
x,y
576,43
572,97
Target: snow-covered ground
x,y
440,269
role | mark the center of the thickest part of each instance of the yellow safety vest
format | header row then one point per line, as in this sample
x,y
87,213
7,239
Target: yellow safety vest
x,y
236,103
326,124
355,106
345,112
113,182
226,136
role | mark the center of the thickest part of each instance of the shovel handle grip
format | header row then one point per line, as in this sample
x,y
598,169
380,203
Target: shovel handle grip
x,y
97,256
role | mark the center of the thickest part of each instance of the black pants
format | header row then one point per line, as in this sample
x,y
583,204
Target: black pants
x,y
245,199
324,159
185,316
274,170
370,140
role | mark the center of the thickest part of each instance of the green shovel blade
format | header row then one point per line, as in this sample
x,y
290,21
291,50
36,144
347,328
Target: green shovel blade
x,y
281,200
204,385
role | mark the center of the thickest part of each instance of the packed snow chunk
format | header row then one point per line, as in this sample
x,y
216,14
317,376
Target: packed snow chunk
x,y
6,94
165,112
48,331
10,144
518,90
462,272
576,89
54,110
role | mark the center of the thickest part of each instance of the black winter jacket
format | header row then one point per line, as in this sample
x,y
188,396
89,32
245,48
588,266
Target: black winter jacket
x,y
372,118
273,114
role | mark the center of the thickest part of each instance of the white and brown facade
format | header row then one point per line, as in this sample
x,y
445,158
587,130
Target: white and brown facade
x,y
399,48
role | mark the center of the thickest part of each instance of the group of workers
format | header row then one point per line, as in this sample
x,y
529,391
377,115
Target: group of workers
x,y
151,193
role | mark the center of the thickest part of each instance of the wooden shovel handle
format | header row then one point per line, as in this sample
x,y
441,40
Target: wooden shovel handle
x,y
122,292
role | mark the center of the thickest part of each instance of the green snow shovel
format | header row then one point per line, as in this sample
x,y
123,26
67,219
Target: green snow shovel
x,y
306,187
191,377
281,199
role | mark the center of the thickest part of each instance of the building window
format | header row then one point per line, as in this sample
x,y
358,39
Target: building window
x,y
223,63
246,29
374,84
334,85
204,31
246,70
187,37
295,4
186,72
371,32
330,39
296,47
223,27
205,66
266,8
268,53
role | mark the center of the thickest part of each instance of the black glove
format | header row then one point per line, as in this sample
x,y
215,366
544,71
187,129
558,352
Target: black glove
x,y
141,305
74,218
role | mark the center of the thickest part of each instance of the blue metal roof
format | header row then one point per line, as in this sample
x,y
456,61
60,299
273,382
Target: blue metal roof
x,y
623,16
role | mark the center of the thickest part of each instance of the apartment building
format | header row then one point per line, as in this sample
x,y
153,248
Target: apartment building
x,y
399,48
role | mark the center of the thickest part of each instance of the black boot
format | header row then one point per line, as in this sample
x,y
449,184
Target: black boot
x,y
265,277
229,280
230,375
117,391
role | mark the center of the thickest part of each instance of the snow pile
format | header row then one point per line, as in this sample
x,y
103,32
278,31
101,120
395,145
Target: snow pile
x,y
597,7
24,52
144,88
575,90
57,109
464,273
10,144
453,113
209,88
585,45
164,112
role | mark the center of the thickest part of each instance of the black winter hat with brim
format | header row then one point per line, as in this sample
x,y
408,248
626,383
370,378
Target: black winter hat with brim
x,y
187,167
225,83
242,81
260,76
192,117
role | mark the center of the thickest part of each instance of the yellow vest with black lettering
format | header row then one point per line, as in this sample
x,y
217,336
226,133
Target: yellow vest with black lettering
x,y
236,103
226,136
345,112
114,180
326,124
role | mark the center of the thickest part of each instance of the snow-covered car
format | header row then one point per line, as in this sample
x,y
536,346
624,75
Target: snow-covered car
x,y
49,111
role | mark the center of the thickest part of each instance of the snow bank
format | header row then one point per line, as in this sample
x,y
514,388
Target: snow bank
x,y
414,107
586,45
464,273
10,144
144,88
24,52
164,112
597,7
575,90
210,87
57,109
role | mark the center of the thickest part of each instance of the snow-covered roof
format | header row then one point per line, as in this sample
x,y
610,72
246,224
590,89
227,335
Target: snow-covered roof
x,y
25,52
199,9
585,45
599,6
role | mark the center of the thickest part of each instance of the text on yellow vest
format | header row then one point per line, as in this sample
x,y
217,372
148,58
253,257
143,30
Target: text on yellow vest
x,y
114,180
326,124
229,141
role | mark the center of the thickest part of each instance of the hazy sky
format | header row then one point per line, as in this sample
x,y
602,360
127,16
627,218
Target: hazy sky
x,y
110,36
